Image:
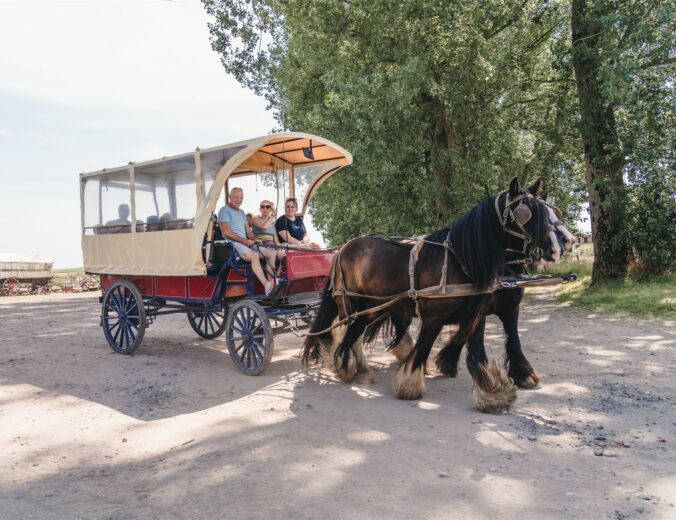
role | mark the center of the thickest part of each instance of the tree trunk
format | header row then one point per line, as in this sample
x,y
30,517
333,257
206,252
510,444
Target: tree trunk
x,y
604,161
442,142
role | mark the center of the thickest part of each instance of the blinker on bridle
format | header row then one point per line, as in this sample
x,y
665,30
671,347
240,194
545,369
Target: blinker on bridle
x,y
518,213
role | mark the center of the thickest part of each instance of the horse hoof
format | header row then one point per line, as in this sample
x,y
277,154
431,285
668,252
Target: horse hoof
x,y
409,384
449,373
494,391
365,377
347,376
529,384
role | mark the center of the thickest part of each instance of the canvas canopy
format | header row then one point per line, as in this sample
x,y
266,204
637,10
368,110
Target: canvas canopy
x,y
171,200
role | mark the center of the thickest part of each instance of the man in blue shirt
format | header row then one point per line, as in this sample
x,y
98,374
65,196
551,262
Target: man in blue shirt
x,y
236,229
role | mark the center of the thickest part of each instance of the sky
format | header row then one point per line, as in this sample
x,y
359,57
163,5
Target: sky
x,y
96,84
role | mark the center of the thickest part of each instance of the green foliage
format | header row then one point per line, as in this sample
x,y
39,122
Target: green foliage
x,y
440,103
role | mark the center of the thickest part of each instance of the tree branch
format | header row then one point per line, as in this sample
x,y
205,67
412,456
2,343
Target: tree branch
x,y
658,63
507,23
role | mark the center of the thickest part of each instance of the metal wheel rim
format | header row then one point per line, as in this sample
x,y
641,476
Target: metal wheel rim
x,y
122,318
249,339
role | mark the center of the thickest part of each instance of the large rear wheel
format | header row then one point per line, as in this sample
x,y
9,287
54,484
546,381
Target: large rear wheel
x,y
123,317
208,324
249,337
11,287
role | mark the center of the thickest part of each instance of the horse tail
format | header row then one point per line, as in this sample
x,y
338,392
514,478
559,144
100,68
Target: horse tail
x,y
328,312
382,325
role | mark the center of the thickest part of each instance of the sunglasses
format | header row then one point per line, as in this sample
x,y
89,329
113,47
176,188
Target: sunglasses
x,y
266,206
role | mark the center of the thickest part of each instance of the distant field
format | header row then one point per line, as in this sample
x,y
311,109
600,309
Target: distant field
x,y
74,270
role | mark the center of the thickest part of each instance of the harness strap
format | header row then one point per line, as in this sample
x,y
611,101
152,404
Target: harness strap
x,y
412,293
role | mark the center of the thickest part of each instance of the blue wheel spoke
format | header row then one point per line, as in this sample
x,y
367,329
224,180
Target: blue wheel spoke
x,y
241,324
257,353
116,336
112,327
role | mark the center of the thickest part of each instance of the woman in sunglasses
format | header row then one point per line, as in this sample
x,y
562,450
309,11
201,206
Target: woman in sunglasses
x,y
263,225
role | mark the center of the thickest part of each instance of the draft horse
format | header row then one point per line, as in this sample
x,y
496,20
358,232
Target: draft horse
x,y
369,270
504,303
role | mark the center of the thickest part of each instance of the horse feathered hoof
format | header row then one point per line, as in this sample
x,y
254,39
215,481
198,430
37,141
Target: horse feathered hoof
x,y
364,376
409,384
347,375
447,369
528,378
494,391
532,382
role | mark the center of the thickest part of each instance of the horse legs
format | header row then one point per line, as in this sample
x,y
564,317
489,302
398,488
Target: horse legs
x,y
494,392
409,380
448,357
402,344
519,368
346,367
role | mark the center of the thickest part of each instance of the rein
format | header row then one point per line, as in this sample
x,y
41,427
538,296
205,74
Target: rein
x,y
510,214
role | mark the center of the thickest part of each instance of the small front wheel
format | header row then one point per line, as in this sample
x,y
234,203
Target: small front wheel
x,y
249,337
208,324
123,317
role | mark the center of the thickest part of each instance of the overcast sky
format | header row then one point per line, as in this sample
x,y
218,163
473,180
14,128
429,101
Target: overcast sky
x,y
95,84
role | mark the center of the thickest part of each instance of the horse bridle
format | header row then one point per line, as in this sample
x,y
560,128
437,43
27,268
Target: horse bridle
x,y
519,214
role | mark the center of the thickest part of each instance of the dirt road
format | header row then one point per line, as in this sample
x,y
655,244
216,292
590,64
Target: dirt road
x,y
176,431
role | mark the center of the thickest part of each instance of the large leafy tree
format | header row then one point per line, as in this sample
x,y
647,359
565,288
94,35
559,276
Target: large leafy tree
x,y
623,59
440,102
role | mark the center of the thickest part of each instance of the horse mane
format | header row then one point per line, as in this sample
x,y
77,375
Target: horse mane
x,y
478,242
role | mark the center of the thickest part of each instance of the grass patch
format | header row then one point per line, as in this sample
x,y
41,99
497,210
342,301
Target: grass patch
x,y
654,297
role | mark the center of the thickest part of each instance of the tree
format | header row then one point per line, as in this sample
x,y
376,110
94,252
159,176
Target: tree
x,y
439,103
621,49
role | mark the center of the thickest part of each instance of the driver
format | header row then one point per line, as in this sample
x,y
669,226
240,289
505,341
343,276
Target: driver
x,y
236,229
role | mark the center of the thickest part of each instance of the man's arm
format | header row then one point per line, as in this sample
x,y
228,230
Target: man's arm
x,y
231,235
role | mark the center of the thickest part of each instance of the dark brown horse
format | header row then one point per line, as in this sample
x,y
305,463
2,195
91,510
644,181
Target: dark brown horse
x,y
479,243
505,304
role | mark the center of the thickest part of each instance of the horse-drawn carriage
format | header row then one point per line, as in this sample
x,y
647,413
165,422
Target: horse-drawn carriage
x,y
149,231
31,273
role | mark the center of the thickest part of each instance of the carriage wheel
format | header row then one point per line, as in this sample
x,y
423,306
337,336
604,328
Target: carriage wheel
x,y
11,287
47,288
123,317
249,337
35,289
208,324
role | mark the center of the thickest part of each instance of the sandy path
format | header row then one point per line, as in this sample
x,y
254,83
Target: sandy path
x,y
176,431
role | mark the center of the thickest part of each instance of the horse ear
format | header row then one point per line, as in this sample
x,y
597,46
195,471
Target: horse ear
x,y
514,188
536,188
544,196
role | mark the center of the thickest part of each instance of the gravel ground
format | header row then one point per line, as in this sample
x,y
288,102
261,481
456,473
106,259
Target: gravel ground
x,y
176,431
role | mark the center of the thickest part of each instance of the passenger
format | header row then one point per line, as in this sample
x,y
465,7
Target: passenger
x,y
235,228
263,225
291,228
167,222
122,223
153,223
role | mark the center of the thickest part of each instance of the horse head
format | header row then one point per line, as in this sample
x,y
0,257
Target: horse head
x,y
564,237
533,227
